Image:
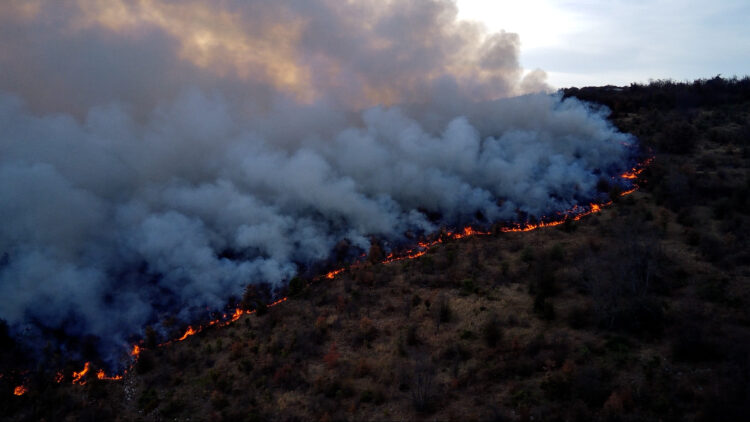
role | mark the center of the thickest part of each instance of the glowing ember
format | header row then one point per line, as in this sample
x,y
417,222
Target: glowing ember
x,y
136,351
20,390
59,377
77,376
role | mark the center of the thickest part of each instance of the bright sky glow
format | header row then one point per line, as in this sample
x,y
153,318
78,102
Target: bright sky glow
x,y
586,42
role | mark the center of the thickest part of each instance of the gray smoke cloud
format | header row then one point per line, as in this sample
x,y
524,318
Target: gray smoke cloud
x,y
144,176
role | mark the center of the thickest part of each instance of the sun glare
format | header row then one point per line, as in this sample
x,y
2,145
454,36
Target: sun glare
x,y
540,23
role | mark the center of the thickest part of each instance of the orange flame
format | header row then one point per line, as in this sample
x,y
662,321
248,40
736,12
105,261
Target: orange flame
x,y
573,214
103,376
190,331
636,171
468,231
334,273
237,314
77,376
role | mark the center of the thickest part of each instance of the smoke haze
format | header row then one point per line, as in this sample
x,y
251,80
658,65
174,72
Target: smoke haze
x,y
156,157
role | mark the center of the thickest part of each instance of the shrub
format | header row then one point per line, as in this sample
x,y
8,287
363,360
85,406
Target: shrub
x,y
468,287
691,343
445,313
332,357
148,400
146,362
557,253
544,308
591,385
467,335
579,317
422,388
412,337
527,255
491,331
296,286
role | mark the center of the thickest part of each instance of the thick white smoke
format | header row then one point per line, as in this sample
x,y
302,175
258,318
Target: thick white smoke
x,y
119,209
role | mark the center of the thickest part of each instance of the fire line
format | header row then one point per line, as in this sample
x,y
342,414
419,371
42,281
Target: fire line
x,y
573,214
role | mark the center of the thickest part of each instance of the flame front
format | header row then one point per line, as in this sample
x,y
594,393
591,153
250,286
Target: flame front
x,y
190,331
103,376
334,273
78,376
573,214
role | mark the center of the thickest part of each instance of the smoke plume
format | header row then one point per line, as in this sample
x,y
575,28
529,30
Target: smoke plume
x,y
156,157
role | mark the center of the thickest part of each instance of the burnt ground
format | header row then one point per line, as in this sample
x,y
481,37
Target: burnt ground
x,y
639,312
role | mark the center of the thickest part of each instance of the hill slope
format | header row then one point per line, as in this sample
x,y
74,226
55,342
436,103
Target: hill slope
x,y
639,312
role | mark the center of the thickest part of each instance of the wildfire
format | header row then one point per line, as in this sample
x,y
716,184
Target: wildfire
x,y
633,173
190,331
573,214
334,273
237,314
468,231
77,376
103,376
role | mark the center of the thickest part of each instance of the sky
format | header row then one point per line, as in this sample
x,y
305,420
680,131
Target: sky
x,y
586,42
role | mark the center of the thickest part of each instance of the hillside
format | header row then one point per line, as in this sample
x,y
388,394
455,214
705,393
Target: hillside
x,y
639,312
